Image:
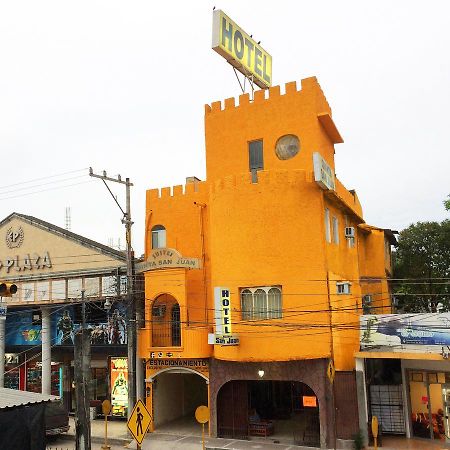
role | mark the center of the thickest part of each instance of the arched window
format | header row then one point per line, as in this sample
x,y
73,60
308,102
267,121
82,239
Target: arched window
x,y
274,303
247,304
158,237
166,322
260,303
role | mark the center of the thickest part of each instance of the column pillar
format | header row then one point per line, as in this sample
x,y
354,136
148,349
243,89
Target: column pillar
x,y
209,408
2,351
361,390
46,352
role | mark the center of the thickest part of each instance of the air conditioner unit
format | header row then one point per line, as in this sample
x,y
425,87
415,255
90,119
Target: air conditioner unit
x,y
349,232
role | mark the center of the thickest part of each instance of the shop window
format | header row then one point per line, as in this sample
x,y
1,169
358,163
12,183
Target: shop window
x,y
158,237
343,288
416,376
261,303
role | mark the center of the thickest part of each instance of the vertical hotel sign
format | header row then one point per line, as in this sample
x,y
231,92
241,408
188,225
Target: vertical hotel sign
x,y
240,50
222,308
323,174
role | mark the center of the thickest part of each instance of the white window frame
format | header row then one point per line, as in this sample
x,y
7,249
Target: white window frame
x,y
350,240
327,225
343,287
335,229
158,237
265,311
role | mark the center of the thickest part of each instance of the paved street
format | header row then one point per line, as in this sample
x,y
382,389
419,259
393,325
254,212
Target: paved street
x,y
174,442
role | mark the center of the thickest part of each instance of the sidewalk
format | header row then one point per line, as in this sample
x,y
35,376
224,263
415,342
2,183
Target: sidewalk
x,y
191,440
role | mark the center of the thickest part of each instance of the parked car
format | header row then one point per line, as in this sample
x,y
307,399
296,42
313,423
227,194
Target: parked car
x,y
56,419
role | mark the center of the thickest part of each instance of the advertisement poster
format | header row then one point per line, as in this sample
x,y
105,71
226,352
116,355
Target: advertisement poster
x,y
119,386
406,332
108,328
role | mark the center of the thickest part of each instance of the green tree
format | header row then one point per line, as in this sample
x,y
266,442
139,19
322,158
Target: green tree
x,y
447,203
422,263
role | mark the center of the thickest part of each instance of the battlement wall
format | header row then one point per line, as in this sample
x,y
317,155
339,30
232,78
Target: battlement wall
x,y
273,94
203,188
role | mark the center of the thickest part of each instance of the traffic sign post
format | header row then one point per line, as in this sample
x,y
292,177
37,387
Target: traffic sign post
x,y
139,422
202,416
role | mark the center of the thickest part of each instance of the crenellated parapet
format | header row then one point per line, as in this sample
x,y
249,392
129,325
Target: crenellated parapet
x,y
194,190
273,95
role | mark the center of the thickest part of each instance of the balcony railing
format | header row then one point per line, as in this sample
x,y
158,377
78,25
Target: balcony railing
x,y
166,334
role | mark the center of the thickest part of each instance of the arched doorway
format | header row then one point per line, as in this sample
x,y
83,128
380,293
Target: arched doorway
x,y
177,392
166,322
287,411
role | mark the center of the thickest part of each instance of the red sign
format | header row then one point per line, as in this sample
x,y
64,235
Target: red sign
x,y
309,401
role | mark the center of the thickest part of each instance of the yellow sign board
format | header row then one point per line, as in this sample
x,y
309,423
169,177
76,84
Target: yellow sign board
x,y
331,371
139,421
375,426
202,414
106,407
240,50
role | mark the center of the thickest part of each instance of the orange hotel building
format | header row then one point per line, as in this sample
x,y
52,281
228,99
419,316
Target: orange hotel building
x,y
255,278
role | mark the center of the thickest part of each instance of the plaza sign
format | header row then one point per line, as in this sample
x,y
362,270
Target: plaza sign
x,y
240,50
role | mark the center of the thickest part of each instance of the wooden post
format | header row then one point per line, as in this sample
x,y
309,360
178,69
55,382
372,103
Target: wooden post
x,y
82,363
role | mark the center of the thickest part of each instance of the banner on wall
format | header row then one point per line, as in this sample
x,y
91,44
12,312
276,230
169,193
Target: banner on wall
x,y
21,329
119,386
426,332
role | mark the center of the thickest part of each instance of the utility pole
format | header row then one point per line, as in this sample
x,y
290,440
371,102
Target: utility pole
x,y
131,309
82,383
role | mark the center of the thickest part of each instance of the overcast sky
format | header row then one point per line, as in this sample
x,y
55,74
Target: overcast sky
x,y
121,86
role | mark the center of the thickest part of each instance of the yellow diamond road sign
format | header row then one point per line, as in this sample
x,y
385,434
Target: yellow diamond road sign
x,y
139,421
331,371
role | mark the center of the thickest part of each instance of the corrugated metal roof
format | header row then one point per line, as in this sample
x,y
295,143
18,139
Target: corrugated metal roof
x,y
10,398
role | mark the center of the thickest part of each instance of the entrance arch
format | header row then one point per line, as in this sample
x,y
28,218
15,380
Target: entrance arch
x,y
176,394
288,411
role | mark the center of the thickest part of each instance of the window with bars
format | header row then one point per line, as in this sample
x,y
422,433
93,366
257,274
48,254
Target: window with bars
x,y
261,303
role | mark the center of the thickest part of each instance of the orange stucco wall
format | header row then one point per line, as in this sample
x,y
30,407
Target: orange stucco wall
x,y
265,233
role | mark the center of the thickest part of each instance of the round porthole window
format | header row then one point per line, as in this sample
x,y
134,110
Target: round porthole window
x,y
287,146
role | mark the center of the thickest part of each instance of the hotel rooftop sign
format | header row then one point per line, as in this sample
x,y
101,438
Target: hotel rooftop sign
x,y
240,50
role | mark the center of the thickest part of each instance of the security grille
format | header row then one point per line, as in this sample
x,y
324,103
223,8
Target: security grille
x,y
386,402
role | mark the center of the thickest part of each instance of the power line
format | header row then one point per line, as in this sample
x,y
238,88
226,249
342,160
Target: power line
x,y
44,178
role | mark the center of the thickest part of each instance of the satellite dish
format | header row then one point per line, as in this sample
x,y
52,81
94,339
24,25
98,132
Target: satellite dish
x,y
287,146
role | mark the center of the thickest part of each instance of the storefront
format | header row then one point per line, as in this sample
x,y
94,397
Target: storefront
x,y
55,270
291,396
406,374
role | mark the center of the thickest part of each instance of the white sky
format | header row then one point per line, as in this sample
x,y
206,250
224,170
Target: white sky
x,y
120,86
